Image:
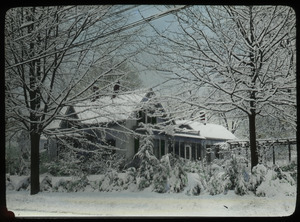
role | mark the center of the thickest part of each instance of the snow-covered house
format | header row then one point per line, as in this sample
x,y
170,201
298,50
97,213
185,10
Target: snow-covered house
x,y
114,122
110,121
194,139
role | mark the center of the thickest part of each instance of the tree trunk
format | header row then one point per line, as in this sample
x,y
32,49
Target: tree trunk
x,y
253,148
35,159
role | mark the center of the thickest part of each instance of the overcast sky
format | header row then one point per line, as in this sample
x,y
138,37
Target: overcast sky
x,y
152,78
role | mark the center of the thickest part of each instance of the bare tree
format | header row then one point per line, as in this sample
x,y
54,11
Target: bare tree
x,y
48,52
233,58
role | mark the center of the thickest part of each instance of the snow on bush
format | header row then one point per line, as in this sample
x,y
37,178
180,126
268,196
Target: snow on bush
x,y
275,182
177,177
23,184
109,181
229,174
70,184
170,177
46,184
291,168
219,183
160,179
194,186
257,176
145,162
173,174
114,181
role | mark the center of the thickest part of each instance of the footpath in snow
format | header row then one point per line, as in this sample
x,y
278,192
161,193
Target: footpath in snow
x,y
145,203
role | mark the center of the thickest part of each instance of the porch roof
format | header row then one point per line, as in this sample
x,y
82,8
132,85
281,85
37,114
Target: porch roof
x,y
207,131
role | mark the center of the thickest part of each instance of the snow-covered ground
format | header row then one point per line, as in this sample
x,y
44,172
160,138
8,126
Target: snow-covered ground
x,y
146,203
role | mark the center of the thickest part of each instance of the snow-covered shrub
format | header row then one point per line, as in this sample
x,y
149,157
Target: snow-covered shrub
x,y
67,164
191,166
178,177
130,179
46,184
71,185
219,183
274,182
291,168
194,186
118,161
109,180
257,176
241,184
23,184
160,179
9,183
238,176
94,181
79,184
61,185
145,162
229,174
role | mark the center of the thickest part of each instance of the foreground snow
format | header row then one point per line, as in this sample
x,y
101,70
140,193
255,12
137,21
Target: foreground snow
x,y
146,203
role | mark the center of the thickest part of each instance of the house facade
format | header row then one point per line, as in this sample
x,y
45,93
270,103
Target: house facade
x,y
114,123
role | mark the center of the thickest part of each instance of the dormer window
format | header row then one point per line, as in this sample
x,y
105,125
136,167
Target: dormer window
x,y
144,118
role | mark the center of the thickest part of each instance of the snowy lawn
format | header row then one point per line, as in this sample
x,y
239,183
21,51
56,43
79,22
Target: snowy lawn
x,y
145,203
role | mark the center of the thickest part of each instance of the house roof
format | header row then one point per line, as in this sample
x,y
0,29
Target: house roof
x,y
104,109
107,109
208,131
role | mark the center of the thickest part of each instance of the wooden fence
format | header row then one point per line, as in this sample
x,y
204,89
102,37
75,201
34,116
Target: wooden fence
x,y
266,147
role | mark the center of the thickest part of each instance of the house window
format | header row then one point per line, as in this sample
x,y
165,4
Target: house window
x,y
181,150
153,120
187,149
208,153
177,148
141,117
156,148
111,142
149,119
194,151
198,151
144,118
162,148
136,145
217,150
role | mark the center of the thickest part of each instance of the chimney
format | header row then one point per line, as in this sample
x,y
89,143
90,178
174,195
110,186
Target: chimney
x,y
95,93
116,89
203,117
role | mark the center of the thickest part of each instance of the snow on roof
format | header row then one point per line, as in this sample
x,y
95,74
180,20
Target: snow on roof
x,y
209,130
55,123
108,109
189,135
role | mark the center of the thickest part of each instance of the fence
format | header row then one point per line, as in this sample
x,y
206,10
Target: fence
x,y
269,150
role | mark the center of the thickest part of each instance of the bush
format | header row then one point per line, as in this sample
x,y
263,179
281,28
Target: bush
x,y
108,182
257,176
160,179
177,176
291,168
219,183
23,184
275,181
46,184
229,174
71,185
